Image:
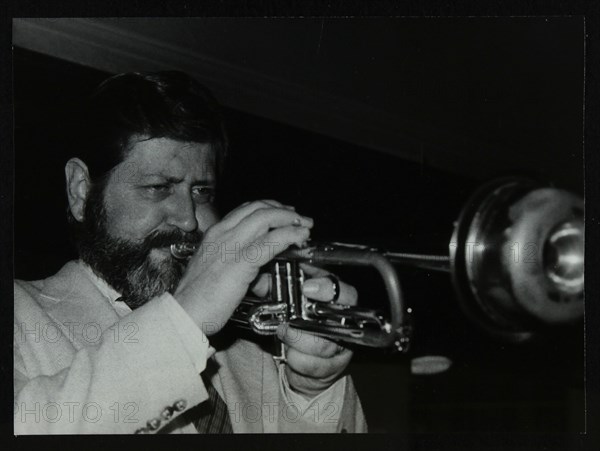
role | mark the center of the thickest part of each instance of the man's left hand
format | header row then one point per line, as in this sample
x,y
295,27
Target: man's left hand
x,y
314,363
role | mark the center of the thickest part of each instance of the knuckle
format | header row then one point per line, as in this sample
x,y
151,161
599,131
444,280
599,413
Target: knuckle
x,y
256,218
267,203
260,211
211,232
290,335
262,205
351,293
326,349
302,232
312,366
271,202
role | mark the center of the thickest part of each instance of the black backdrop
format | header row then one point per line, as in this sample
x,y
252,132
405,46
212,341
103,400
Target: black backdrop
x,y
355,195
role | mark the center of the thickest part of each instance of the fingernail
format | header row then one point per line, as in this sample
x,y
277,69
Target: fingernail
x,y
297,222
310,287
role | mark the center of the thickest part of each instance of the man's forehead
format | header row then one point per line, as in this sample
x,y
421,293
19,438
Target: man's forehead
x,y
170,158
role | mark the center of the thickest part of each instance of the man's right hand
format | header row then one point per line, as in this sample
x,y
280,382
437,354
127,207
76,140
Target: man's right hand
x,y
231,254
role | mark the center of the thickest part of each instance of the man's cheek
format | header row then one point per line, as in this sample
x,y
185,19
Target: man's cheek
x,y
130,221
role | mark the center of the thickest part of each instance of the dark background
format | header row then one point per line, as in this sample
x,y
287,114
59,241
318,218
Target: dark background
x,y
355,195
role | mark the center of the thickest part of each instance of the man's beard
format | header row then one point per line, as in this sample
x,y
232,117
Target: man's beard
x,y
127,265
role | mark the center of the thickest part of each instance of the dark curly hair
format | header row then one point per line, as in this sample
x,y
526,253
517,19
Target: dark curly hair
x,y
168,104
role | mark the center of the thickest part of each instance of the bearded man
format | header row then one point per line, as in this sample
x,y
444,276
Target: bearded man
x,y
126,339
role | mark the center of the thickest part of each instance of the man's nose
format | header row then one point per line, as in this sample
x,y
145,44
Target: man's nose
x,y
182,213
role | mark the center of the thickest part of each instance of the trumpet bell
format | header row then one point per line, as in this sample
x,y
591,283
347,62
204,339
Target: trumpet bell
x,y
517,258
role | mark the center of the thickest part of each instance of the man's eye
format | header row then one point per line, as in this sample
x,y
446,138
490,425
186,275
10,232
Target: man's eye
x,y
157,188
203,194
157,191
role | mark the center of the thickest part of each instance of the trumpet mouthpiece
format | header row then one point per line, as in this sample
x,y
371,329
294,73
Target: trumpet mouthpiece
x,y
184,251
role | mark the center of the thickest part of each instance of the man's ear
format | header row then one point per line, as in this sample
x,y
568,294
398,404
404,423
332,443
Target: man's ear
x,y
78,186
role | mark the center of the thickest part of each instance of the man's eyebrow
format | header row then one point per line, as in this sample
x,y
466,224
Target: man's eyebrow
x,y
173,179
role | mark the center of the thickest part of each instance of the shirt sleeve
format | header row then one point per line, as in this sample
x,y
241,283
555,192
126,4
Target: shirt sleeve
x,y
319,414
139,383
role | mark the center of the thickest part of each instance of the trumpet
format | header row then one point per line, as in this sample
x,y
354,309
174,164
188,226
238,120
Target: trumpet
x,y
516,259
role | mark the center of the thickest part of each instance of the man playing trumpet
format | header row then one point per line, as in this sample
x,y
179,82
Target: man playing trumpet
x,y
126,339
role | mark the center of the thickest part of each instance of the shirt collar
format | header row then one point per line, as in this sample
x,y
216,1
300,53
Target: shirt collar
x,y
107,291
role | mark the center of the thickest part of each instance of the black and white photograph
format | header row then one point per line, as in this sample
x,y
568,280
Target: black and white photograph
x,y
248,225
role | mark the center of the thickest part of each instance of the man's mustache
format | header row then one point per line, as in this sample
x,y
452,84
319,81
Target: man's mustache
x,y
159,239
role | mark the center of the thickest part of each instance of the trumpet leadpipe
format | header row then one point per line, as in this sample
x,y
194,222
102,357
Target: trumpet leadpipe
x,y
423,261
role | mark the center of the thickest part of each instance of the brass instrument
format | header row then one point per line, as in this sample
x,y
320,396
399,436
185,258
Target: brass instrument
x,y
516,259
